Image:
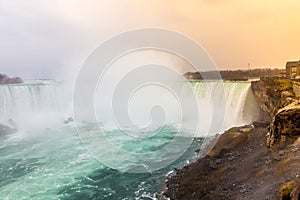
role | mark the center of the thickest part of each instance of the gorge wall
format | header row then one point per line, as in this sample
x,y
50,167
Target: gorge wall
x,y
280,106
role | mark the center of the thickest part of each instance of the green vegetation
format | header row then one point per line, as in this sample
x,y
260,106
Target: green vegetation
x,y
284,84
285,191
234,74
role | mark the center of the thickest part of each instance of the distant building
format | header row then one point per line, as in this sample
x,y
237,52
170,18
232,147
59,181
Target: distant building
x,y
293,69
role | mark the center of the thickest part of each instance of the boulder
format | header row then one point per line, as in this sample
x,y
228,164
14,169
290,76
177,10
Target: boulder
x,y
285,124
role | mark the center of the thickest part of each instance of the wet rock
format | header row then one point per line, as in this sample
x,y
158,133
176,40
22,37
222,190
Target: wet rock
x,y
6,130
69,120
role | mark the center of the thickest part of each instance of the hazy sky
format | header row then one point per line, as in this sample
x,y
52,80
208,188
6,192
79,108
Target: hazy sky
x,y
47,38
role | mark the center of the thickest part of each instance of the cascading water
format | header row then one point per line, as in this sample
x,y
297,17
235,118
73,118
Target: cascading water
x,y
34,105
30,98
239,102
54,165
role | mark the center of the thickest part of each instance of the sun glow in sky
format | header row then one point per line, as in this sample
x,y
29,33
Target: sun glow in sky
x,y
40,39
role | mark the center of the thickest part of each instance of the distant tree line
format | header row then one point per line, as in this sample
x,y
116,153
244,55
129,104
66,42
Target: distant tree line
x,y
234,74
4,79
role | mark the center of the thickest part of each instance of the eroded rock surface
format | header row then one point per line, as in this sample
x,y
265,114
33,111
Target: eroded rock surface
x,y
272,94
285,125
280,106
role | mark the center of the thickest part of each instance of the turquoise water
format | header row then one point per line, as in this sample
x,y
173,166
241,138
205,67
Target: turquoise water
x,y
55,165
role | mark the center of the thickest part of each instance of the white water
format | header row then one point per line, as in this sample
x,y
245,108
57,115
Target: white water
x,y
237,101
34,105
50,103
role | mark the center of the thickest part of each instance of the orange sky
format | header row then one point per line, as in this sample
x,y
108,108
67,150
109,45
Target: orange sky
x,y
234,32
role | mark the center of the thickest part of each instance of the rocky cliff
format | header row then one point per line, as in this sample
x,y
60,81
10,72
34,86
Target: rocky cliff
x,y
271,95
285,126
279,106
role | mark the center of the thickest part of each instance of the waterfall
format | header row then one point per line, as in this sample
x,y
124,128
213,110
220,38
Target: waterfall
x,y
53,100
34,100
238,100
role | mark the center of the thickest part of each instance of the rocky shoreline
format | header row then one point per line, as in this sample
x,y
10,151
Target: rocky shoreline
x,y
260,161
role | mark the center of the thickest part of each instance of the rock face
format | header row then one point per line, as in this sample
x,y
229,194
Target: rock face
x,y
7,80
279,106
285,124
271,95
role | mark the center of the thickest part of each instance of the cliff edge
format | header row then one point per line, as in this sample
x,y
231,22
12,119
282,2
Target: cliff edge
x,y
280,106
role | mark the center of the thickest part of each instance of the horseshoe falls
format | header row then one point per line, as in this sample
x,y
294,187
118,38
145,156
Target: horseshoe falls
x,y
46,158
